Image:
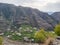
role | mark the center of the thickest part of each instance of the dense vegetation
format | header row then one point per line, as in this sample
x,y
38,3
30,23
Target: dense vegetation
x,y
30,34
42,36
24,33
57,29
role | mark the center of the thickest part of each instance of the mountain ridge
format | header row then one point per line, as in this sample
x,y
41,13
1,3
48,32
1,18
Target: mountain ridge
x,y
17,15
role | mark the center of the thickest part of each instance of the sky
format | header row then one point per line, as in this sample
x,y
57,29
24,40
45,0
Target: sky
x,y
42,5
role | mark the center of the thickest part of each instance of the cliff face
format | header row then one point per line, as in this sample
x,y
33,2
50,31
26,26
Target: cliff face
x,y
17,15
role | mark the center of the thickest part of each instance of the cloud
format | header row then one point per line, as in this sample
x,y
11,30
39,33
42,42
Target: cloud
x,y
52,7
43,5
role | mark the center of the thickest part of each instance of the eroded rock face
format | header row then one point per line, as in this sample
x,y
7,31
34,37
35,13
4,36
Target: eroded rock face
x,y
17,15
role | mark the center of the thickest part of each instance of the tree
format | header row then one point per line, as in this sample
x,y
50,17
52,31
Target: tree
x,y
1,40
57,29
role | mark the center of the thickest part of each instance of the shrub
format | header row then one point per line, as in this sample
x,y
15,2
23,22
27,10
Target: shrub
x,y
40,36
57,29
7,33
51,34
16,36
1,40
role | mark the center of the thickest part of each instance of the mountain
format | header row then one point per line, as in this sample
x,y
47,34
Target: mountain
x,y
56,16
3,23
17,15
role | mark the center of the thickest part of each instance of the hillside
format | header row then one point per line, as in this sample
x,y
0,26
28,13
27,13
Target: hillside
x,y
56,16
16,15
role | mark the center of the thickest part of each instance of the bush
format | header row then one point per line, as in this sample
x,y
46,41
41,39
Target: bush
x,y
1,40
7,33
40,36
57,29
52,34
16,37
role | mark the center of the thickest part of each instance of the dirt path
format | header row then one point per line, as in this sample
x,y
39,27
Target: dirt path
x,y
56,42
10,42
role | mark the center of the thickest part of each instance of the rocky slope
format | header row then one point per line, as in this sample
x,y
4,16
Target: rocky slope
x,y
56,16
17,15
